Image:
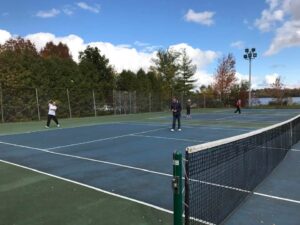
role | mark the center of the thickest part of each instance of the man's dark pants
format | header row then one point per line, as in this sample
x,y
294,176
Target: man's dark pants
x,y
176,117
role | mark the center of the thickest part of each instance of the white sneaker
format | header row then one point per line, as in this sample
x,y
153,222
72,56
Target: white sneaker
x,y
46,127
172,130
58,125
179,129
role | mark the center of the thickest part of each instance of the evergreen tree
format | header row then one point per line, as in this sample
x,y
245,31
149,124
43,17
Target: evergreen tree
x,y
166,66
187,70
126,81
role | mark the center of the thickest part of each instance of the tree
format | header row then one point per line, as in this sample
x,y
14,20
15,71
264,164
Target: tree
x,y
126,81
52,50
278,91
95,70
224,77
20,70
187,70
143,84
239,91
166,66
19,63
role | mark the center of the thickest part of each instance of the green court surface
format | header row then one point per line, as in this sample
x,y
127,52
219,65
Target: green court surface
x,y
31,198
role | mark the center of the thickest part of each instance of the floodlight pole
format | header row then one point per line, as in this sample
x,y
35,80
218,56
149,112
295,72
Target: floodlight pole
x,y
249,96
249,55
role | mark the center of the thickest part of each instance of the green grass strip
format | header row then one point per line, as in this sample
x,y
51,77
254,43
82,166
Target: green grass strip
x,y
31,198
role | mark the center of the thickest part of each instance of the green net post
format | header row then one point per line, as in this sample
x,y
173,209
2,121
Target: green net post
x,y
177,188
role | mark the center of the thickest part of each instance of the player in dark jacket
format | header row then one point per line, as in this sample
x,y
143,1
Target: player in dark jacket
x,y
176,109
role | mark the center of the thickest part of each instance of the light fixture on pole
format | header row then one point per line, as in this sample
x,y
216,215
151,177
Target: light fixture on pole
x,y
249,55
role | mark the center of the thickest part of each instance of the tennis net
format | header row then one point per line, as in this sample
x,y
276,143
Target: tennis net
x,y
222,173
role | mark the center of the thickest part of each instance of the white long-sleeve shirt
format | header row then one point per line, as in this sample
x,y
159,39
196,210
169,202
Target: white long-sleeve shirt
x,y
52,109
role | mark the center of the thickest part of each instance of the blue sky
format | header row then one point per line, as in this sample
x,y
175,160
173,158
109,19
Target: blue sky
x,y
129,31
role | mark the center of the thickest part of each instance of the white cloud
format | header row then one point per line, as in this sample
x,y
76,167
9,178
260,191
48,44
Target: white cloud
x,y
141,44
269,19
4,36
283,17
241,77
271,78
204,18
286,36
74,42
68,10
123,57
48,14
85,6
292,7
238,44
146,47
273,3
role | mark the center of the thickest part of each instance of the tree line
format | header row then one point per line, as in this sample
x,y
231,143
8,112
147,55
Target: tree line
x,y
52,70
22,65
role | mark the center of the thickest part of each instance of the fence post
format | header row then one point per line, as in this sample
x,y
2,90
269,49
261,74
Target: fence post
x,y
177,188
114,102
69,104
37,103
1,103
150,99
120,102
134,101
94,102
130,102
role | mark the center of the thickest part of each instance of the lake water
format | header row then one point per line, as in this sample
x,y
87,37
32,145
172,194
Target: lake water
x,y
265,101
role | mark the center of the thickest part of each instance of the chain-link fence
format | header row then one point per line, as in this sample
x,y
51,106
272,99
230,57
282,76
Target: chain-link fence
x,y
24,104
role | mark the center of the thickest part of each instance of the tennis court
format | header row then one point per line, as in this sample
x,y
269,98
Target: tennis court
x,y
128,158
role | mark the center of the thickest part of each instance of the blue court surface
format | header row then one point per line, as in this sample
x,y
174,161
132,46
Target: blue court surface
x,y
134,158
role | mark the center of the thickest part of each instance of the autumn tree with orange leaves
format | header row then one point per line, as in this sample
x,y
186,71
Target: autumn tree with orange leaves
x,y
224,78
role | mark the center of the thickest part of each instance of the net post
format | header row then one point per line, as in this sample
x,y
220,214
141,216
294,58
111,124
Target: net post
x,y
177,188
186,190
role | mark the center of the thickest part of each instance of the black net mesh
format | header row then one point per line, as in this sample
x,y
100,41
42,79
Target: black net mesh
x,y
220,175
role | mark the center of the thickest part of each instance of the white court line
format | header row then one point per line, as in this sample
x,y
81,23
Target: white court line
x,y
103,139
87,159
225,117
90,187
186,126
158,117
60,128
295,150
149,171
247,191
167,138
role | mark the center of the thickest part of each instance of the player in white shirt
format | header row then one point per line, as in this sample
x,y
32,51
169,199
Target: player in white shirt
x,y
52,114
